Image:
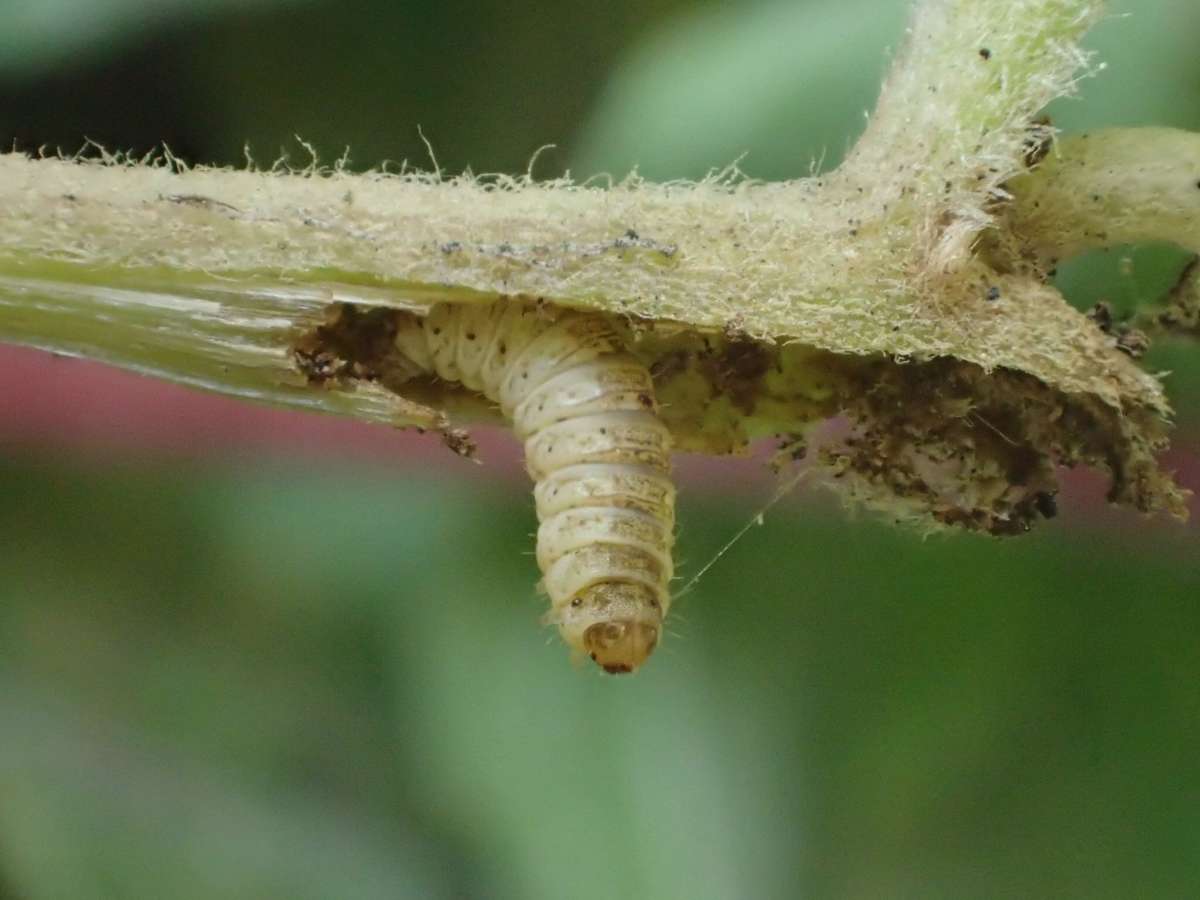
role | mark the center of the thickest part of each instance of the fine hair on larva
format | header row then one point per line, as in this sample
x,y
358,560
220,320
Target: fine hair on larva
x,y
597,451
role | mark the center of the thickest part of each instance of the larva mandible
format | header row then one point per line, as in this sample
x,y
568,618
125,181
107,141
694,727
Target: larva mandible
x,y
595,448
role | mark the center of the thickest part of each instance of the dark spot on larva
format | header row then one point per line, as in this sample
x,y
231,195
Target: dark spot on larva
x,y
1198,184
646,400
578,601
470,335
616,669
985,53
502,348
993,293
451,247
604,431
436,331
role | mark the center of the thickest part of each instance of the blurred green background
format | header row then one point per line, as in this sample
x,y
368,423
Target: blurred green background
x,y
256,673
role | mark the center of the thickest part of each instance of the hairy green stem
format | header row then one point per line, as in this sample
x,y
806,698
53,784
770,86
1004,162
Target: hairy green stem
x,y
756,296
1110,187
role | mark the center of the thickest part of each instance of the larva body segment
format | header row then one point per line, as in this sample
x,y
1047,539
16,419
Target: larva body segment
x,y
595,448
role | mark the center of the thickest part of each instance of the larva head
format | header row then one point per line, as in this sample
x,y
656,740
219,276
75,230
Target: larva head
x,y
617,624
622,646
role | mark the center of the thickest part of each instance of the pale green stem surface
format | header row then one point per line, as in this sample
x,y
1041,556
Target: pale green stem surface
x,y
209,276
1110,187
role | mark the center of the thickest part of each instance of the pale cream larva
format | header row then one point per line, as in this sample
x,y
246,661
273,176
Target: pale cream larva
x,y
595,448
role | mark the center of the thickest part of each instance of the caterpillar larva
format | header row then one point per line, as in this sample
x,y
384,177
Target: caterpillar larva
x,y
595,448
